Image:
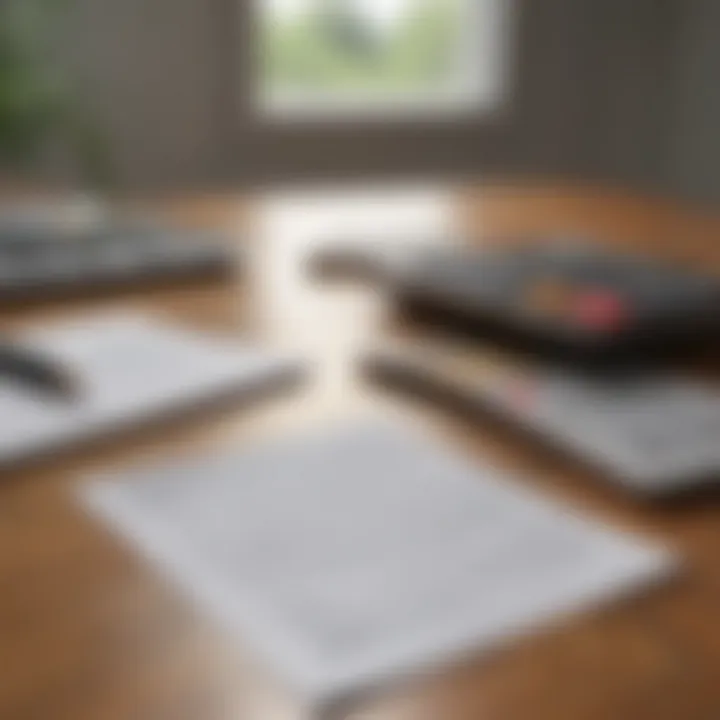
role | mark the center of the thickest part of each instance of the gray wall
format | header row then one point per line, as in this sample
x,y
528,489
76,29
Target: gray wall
x,y
170,79
149,71
595,94
694,162
633,55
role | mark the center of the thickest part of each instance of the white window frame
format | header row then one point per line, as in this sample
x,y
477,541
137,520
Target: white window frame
x,y
490,45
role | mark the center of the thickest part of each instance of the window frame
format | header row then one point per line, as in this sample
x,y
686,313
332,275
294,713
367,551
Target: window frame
x,y
484,94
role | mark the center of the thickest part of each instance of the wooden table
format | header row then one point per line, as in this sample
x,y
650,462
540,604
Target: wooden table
x,y
88,632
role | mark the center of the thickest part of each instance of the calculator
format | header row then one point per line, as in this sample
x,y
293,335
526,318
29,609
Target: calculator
x,y
564,300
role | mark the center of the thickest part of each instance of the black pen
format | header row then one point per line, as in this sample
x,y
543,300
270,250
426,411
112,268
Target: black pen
x,y
37,370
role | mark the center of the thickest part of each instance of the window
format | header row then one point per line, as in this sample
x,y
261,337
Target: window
x,y
359,58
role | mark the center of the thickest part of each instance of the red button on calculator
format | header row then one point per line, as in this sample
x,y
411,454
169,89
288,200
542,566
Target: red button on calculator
x,y
601,310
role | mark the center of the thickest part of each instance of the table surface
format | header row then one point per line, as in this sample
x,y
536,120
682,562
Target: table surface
x,y
89,632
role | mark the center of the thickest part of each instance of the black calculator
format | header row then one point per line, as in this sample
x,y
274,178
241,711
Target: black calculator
x,y
569,301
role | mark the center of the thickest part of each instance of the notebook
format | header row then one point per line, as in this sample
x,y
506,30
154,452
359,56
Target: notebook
x,y
652,432
38,261
120,371
355,557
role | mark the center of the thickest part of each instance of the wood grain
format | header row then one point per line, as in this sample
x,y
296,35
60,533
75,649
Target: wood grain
x,y
89,632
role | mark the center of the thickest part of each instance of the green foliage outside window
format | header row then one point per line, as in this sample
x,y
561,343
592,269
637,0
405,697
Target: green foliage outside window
x,y
334,47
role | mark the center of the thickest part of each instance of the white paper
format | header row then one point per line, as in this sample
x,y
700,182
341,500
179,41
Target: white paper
x,y
349,559
128,369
